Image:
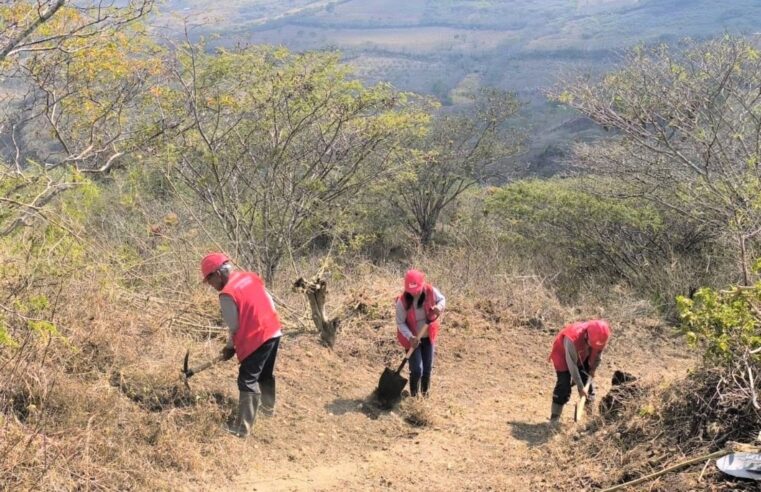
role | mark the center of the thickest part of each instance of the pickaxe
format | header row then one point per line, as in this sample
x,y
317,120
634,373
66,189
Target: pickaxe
x,y
188,372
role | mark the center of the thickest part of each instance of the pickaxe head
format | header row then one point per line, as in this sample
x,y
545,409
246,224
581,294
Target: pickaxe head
x,y
186,371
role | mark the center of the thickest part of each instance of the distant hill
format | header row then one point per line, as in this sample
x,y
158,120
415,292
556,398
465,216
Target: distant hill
x,y
444,47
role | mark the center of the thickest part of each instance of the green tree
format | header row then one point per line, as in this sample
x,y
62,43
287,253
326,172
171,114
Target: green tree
x,y
686,128
462,149
74,101
275,144
25,26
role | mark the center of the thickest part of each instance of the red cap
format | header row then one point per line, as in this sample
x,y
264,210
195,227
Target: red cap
x,y
598,333
212,262
414,281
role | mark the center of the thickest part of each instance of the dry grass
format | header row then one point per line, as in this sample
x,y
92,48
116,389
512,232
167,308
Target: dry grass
x,y
652,426
102,407
418,412
99,404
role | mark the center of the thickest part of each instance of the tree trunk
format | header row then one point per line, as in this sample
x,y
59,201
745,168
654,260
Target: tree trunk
x,y
426,236
270,263
744,260
316,290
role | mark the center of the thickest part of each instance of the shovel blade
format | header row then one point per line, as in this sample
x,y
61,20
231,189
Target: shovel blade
x,y
390,387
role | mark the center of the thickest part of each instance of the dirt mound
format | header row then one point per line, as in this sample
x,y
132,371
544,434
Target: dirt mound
x,y
644,427
623,389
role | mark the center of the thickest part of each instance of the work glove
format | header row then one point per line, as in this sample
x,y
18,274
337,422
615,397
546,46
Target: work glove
x,y
227,353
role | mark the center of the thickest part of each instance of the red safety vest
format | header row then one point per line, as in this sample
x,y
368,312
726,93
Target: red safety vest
x,y
433,323
575,332
257,318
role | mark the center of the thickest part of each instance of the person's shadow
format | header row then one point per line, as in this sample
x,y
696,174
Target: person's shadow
x,y
533,434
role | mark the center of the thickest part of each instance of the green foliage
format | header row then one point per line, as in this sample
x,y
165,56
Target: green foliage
x,y
725,324
584,233
281,180
43,327
461,150
671,108
568,204
6,340
570,227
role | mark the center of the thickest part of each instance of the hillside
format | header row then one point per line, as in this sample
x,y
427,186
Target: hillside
x,y
445,48
126,157
483,428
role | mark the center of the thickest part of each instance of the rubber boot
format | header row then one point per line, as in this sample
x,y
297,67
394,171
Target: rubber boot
x,y
555,413
248,404
425,384
414,386
268,397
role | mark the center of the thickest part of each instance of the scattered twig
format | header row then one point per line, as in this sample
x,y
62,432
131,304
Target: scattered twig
x,y
752,387
716,454
700,477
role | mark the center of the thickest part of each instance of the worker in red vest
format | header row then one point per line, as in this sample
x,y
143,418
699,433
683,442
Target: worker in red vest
x,y
576,354
253,336
419,304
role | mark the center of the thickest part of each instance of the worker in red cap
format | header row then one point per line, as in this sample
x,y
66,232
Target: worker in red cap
x,y
253,336
576,355
419,304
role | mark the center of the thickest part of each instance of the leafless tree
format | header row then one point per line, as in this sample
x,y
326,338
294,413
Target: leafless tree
x,y
461,151
687,132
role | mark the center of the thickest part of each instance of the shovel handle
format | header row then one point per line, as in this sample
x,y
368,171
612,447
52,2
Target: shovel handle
x,y
583,399
579,413
407,356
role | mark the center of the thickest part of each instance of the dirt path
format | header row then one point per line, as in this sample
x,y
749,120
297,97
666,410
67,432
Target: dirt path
x,y
488,413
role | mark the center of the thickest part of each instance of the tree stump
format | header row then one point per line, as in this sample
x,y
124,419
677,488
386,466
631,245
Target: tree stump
x,y
316,291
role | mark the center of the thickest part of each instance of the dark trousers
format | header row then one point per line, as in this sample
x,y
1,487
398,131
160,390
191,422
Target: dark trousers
x,y
258,367
421,360
562,392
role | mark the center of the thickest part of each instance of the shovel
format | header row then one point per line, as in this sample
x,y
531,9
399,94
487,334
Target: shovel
x,y
391,382
188,372
579,414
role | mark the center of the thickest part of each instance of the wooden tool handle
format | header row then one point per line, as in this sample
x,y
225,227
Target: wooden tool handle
x,y
407,356
419,336
582,401
205,365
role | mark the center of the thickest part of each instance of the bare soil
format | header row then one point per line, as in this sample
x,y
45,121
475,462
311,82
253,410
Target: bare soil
x,y
484,426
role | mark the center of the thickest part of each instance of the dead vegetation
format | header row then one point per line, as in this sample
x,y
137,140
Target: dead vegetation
x,y
644,427
100,403
418,412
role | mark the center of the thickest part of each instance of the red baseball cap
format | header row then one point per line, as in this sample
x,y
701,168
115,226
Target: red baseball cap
x,y
414,281
212,262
